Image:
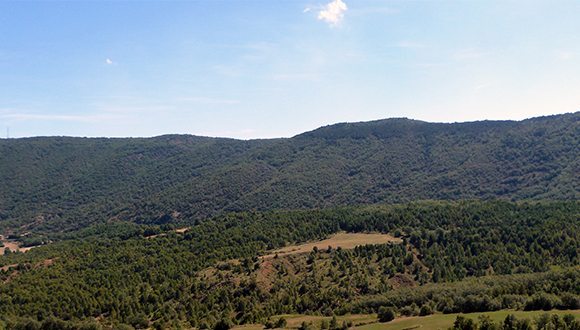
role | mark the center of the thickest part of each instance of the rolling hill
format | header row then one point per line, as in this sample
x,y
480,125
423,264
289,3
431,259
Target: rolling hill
x,y
53,184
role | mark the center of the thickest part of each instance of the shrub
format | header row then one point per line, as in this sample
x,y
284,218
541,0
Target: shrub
x,y
426,310
223,324
386,314
281,323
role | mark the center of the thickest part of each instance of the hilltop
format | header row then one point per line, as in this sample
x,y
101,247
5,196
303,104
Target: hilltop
x,y
55,184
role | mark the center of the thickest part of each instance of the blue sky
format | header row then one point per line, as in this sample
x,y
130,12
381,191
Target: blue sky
x,y
263,69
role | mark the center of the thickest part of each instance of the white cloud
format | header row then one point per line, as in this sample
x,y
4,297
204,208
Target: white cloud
x,y
333,12
305,10
111,62
482,86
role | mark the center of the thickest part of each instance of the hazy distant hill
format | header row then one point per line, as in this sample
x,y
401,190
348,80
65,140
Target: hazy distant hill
x,y
59,183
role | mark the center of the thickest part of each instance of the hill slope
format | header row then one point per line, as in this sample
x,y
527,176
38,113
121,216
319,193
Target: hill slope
x,y
55,183
466,256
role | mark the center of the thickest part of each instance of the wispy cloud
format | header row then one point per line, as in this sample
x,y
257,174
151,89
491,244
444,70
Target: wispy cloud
x,y
373,10
228,71
131,110
297,76
407,44
485,85
470,53
90,118
306,10
428,65
565,55
333,12
209,100
109,62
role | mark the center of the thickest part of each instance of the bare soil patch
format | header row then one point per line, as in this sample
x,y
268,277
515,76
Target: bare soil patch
x,y
10,277
266,274
182,230
44,263
402,281
5,268
344,240
13,245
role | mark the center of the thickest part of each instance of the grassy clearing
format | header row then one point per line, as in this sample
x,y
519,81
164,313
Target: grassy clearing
x,y
444,321
344,240
431,322
294,321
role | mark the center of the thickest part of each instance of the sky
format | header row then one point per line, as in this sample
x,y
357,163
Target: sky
x,y
266,69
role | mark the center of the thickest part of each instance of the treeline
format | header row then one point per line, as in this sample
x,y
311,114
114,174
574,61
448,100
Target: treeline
x,y
556,289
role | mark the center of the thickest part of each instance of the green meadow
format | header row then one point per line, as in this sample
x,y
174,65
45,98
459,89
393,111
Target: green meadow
x,y
431,322
444,321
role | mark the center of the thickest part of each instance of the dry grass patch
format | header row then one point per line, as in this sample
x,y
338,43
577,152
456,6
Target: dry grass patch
x,y
344,240
294,321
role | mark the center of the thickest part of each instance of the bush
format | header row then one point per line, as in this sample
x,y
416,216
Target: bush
x,y
543,301
122,326
281,323
570,301
463,323
139,321
411,310
307,326
223,324
268,324
203,325
426,310
386,314
333,323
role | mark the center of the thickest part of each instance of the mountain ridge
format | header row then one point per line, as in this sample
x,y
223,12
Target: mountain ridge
x,y
53,184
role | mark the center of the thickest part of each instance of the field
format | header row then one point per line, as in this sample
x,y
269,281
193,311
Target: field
x,y
344,240
444,321
431,322
294,321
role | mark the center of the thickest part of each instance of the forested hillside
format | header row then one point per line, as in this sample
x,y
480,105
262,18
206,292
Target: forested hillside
x,y
53,184
466,256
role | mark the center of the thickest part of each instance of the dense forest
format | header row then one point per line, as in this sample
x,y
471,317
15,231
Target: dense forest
x,y
464,256
55,184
